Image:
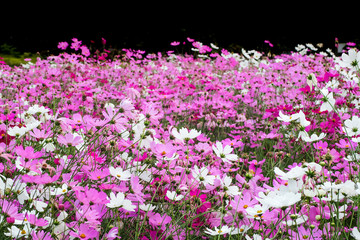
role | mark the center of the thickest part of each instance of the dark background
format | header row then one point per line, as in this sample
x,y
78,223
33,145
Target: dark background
x,y
154,26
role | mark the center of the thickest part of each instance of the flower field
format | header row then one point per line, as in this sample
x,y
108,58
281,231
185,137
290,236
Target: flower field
x,y
207,145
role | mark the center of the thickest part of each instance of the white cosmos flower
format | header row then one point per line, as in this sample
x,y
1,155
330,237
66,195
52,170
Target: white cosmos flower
x,y
224,152
256,211
328,100
350,157
120,201
313,137
218,231
119,173
17,131
302,119
350,60
184,134
286,118
298,219
37,109
201,175
352,126
172,195
61,190
311,81
147,207
294,173
230,190
279,199
355,233
15,232
39,205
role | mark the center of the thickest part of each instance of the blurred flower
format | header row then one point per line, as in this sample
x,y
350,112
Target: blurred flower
x,y
63,45
355,233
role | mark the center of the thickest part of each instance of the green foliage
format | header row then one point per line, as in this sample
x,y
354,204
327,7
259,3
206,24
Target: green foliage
x,y
11,56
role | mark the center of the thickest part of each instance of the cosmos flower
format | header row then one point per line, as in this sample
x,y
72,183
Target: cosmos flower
x,y
286,118
119,173
119,201
313,137
202,175
355,233
328,100
351,59
294,173
172,195
218,231
70,139
185,134
352,126
224,152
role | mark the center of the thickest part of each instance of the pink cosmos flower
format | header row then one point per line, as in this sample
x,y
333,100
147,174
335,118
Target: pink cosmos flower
x,y
345,144
175,43
85,51
28,152
99,174
32,219
41,178
40,134
84,232
241,203
163,150
63,45
320,145
306,233
41,235
156,220
75,44
70,140
11,210
91,196
112,234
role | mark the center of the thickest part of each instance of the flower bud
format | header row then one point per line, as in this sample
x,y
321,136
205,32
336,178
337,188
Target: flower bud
x,y
10,220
